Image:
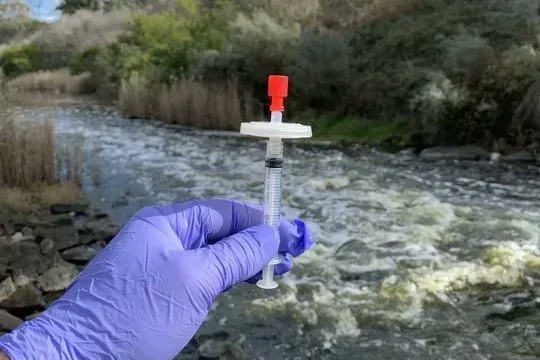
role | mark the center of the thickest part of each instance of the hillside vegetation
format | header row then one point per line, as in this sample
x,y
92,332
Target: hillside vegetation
x,y
397,72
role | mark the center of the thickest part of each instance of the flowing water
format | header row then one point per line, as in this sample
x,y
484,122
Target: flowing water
x,y
413,259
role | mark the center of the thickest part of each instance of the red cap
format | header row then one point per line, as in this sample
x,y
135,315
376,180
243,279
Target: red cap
x,y
278,86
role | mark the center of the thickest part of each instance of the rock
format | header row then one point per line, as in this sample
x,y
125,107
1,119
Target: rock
x,y
47,246
100,216
58,277
103,229
494,157
54,221
520,156
81,254
236,353
77,208
469,152
213,349
26,297
27,259
221,350
7,288
63,237
26,231
331,183
407,152
8,322
19,236
20,279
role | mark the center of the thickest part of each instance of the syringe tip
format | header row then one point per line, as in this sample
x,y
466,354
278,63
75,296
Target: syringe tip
x,y
267,281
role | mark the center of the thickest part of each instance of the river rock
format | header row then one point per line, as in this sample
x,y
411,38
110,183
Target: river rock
x,y
103,229
519,156
46,247
27,259
331,183
52,221
7,288
470,152
63,237
77,208
19,236
221,350
26,297
58,277
8,322
81,254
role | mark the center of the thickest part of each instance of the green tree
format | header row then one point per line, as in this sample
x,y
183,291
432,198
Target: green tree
x,y
72,6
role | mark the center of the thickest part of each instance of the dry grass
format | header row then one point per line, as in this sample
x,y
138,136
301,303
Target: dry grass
x,y
58,81
29,155
26,200
187,102
60,193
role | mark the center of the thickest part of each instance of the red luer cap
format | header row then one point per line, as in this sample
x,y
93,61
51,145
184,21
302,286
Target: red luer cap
x,y
278,86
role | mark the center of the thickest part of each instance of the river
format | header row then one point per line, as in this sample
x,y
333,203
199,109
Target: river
x,y
414,259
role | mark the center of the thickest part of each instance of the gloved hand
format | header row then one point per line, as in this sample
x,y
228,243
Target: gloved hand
x,y
146,294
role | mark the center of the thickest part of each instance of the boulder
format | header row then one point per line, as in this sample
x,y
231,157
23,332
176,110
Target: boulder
x,y
63,237
221,350
8,321
47,247
102,229
331,183
53,221
26,297
7,288
76,208
469,152
19,236
81,254
58,277
28,260
212,349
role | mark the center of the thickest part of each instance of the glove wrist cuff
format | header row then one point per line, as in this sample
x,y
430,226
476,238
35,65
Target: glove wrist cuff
x,y
31,342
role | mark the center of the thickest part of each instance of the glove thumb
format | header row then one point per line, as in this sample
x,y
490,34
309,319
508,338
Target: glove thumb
x,y
236,258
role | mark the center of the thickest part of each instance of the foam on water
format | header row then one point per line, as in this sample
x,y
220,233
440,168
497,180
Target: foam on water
x,y
395,236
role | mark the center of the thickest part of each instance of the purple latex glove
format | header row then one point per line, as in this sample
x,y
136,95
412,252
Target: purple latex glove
x,y
147,293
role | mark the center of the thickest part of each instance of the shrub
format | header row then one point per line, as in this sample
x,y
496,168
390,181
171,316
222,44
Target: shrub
x,y
20,58
59,81
319,71
18,29
259,45
72,34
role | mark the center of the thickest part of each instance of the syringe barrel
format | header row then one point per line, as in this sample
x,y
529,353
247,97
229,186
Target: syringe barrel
x,y
272,186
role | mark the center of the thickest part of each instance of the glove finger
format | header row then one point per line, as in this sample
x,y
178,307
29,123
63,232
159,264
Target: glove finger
x,y
201,222
295,237
237,258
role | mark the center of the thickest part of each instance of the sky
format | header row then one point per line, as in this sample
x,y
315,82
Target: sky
x,y
45,9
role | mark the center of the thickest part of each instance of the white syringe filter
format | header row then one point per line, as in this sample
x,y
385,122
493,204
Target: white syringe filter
x,y
278,130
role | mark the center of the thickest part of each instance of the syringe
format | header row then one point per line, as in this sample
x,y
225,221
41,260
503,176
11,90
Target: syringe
x,y
275,130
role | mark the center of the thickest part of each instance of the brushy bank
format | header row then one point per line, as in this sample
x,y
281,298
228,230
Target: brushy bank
x,y
409,72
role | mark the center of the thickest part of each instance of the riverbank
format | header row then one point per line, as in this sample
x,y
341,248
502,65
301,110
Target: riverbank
x,y
47,235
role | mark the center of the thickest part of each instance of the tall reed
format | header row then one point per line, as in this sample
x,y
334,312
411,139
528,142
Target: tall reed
x,y
29,155
187,102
